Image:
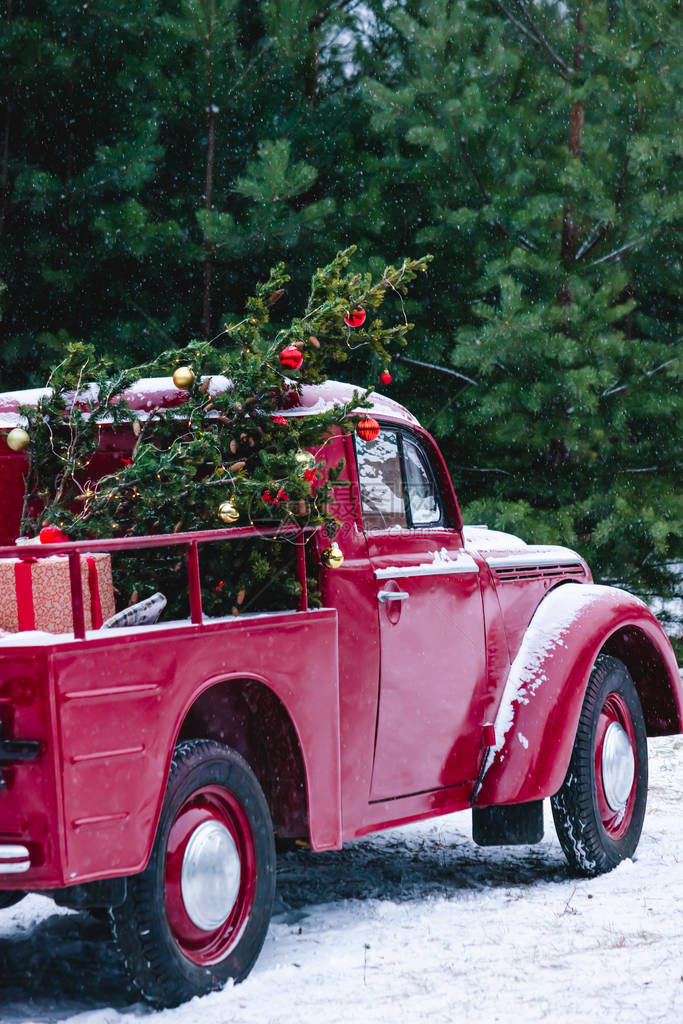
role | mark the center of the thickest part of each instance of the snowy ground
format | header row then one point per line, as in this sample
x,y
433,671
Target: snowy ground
x,y
415,924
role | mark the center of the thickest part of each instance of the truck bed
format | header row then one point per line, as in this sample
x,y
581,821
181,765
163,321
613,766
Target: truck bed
x,y
107,711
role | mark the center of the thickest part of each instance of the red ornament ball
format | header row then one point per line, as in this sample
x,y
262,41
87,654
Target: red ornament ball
x,y
385,377
291,357
368,429
355,318
52,535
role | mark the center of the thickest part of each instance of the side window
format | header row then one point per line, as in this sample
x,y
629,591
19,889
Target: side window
x,y
397,487
423,499
381,482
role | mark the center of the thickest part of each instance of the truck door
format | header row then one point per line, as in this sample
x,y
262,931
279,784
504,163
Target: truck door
x,y
432,642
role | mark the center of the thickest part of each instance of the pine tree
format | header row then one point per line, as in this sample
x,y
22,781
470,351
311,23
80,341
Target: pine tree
x,y
80,148
542,141
156,159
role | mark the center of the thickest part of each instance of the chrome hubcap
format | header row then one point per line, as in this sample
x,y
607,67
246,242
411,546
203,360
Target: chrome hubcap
x,y
618,766
210,876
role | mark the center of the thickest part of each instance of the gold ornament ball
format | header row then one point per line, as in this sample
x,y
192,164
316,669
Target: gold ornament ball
x,y
304,460
18,439
332,557
183,377
228,512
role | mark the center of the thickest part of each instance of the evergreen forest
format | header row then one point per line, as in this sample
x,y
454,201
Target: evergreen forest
x,y
158,157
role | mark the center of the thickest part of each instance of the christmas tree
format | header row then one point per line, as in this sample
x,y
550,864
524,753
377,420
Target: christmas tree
x,y
156,160
223,454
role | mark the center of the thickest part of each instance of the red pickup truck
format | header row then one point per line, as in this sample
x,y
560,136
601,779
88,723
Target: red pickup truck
x,y
150,769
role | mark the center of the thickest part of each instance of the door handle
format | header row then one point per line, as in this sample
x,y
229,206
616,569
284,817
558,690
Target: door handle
x,y
392,595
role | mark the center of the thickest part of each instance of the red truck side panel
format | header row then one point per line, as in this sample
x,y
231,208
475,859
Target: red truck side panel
x,y
539,712
119,705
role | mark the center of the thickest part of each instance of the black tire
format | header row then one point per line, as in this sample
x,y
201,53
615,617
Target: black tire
x,y
8,897
599,810
171,955
102,914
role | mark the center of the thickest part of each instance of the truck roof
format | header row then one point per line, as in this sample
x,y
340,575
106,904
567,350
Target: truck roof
x,y
151,392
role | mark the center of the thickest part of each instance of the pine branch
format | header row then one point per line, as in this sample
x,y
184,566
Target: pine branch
x,y
648,373
543,42
597,233
29,485
478,469
536,36
465,149
433,366
319,19
618,253
603,228
622,182
469,160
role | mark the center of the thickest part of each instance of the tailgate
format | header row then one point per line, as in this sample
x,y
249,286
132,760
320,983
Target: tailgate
x,y
30,833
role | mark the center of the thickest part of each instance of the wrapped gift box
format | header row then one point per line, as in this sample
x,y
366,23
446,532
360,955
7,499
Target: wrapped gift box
x,y
36,593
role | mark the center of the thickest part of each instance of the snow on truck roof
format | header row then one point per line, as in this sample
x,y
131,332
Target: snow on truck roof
x,y
150,392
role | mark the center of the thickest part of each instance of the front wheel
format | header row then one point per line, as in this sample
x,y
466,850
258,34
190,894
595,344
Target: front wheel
x,y
599,810
198,915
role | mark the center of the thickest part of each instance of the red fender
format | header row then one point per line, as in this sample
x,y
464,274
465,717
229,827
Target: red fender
x,y
539,711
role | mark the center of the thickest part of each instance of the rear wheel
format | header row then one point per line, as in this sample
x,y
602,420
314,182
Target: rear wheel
x,y
199,913
599,810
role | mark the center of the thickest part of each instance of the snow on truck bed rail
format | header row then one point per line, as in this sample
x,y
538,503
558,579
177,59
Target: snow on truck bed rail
x,y
38,638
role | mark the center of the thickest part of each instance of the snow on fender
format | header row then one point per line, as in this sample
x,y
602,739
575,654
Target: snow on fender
x,y
538,714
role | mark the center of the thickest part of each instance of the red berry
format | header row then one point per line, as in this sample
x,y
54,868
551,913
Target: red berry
x,y
355,318
291,357
282,495
280,420
385,377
